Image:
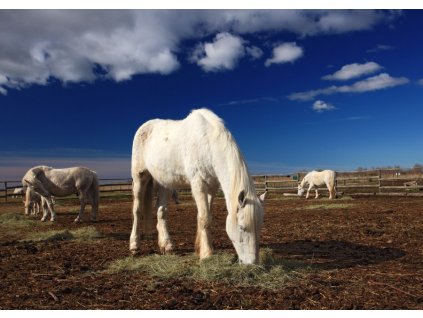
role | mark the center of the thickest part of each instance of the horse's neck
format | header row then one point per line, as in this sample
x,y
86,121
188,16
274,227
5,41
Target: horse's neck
x,y
233,179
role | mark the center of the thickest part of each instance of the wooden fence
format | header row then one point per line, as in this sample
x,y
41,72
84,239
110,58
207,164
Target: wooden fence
x,y
372,182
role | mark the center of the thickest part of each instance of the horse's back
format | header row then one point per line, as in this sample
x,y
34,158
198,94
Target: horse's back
x,y
321,177
173,150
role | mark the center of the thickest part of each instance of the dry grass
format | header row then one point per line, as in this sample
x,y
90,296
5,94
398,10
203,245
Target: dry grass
x,y
17,220
327,206
82,235
271,273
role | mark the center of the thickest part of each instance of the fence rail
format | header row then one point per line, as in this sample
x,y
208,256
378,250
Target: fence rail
x,y
375,182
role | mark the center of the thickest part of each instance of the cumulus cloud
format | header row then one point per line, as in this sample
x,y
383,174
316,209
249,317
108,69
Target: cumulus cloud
x,y
381,81
321,106
354,70
83,45
420,82
221,54
284,53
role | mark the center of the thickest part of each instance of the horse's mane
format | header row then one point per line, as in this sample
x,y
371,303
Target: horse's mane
x,y
240,177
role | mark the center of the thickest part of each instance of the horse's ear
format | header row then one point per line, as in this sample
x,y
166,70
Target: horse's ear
x,y
262,196
242,199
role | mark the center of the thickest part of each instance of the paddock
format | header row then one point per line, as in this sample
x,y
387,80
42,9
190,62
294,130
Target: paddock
x,y
361,252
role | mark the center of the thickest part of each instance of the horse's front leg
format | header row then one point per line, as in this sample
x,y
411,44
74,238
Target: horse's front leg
x,y
49,208
317,193
139,186
332,193
309,189
164,241
202,241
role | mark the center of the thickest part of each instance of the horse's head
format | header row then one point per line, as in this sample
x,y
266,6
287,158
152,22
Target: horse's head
x,y
244,228
300,190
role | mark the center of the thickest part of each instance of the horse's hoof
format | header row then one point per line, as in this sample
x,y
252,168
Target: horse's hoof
x,y
167,247
135,252
52,220
77,220
43,220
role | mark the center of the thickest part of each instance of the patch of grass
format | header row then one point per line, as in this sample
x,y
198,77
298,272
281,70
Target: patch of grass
x,y
83,234
327,206
17,220
271,273
162,266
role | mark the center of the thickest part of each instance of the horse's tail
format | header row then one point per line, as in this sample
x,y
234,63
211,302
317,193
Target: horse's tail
x,y
334,184
95,195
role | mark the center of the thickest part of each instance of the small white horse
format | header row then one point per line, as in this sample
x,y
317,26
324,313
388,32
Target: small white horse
x,y
18,192
33,201
50,182
315,179
200,152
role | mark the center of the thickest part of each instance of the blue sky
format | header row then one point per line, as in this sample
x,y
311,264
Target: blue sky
x,y
299,89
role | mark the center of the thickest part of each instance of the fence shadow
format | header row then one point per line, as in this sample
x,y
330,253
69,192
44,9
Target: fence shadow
x,y
327,255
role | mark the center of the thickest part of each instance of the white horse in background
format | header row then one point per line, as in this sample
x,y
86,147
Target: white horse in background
x,y
314,179
18,192
33,202
200,152
50,182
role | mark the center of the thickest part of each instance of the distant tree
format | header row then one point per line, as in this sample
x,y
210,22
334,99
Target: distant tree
x,y
417,168
361,169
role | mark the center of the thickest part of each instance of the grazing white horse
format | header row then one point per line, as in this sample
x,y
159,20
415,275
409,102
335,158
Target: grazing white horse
x,y
18,192
33,201
63,182
200,152
315,179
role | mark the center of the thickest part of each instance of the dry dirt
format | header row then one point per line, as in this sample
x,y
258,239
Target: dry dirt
x,y
363,253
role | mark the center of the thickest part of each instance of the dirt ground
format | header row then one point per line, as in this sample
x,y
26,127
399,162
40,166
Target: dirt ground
x,y
363,253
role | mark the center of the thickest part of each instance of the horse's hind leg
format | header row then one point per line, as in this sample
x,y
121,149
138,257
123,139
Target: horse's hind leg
x,y
82,201
202,241
164,241
139,186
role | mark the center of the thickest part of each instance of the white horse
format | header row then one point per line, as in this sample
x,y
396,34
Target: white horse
x,y
34,202
315,179
200,152
18,192
63,182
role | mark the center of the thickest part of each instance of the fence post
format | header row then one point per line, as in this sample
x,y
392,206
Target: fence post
x,y
380,181
265,182
5,191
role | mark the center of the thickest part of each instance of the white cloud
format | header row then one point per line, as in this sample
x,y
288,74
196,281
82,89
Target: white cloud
x,y
70,45
221,54
254,51
420,82
381,81
321,106
354,70
284,53
380,47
